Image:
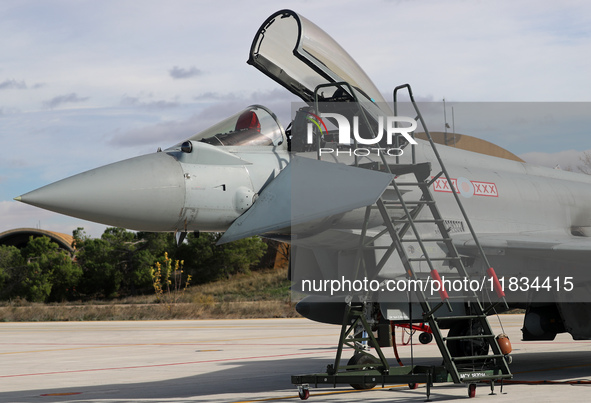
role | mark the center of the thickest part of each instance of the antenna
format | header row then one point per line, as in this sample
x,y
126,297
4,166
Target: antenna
x,y
445,123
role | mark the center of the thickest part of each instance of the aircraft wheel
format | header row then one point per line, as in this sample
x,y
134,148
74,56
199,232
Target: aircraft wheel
x,y
425,338
363,358
472,390
413,385
465,348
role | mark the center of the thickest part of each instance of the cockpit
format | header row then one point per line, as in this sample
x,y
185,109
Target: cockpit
x,y
304,59
253,126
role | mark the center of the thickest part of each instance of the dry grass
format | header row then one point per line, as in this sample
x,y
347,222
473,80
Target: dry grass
x,y
262,294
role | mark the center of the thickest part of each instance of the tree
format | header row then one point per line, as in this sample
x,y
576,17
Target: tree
x,y
206,261
241,255
44,272
116,264
119,262
586,160
99,266
11,267
198,253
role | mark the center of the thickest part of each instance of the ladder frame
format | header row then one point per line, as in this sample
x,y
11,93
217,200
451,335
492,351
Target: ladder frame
x,y
466,369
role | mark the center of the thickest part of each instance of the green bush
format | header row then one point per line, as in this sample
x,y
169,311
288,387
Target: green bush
x,y
116,264
40,272
206,261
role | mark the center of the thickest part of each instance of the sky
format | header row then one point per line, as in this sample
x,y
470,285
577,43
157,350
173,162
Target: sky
x,y
87,83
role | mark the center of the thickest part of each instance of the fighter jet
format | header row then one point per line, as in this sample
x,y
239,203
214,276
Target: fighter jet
x,y
352,189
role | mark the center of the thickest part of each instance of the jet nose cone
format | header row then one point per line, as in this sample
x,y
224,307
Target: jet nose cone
x,y
145,193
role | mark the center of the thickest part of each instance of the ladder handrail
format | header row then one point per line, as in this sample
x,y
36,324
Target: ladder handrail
x,y
447,177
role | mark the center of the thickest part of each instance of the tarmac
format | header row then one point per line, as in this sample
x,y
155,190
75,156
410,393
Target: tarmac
x,y
247,361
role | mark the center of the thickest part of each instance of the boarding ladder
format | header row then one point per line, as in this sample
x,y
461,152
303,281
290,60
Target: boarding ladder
x,y
404,222
463,365
472,365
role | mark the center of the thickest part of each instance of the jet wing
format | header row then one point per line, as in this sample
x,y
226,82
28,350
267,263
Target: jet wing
x,y
553,245
305,191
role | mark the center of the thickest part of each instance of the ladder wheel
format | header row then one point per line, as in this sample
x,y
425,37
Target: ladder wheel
x,y
425,338
472,390
304,393
363,358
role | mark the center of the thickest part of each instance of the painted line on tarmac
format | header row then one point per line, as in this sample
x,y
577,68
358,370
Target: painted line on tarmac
x,y
553,369
158,365
180,343
338,392
61,394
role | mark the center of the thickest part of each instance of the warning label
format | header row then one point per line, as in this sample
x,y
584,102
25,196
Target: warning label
x,y
466,187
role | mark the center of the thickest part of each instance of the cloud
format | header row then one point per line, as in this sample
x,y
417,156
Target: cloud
x,y
180,73
20,215
212,108
277,100
12,84
276,95
567,160
18,162
215,96
135,101
163,133
63,99
17,215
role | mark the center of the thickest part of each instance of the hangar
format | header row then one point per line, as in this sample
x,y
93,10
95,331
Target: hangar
x,y
20,237
470,143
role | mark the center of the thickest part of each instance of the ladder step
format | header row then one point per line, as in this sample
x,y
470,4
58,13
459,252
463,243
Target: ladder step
x,y
461,317
433,221
472,336
376,247
452,297
410,183
424,276
476,357
356,339
409,203
388,205
434,259
426,239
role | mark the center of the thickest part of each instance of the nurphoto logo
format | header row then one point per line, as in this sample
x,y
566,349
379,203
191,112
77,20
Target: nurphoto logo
x,y
388,126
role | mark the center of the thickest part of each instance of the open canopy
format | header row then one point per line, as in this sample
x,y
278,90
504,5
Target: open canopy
x,y
300,56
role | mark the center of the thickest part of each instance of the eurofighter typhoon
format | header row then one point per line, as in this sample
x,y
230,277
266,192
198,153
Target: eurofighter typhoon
x,y
377,218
